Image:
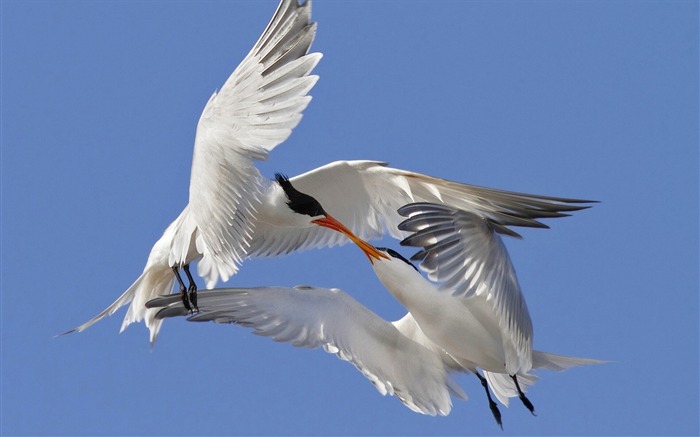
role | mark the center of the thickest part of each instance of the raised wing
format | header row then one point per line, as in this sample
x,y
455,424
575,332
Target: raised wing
x,y
255,110
314,317
365,196
465,255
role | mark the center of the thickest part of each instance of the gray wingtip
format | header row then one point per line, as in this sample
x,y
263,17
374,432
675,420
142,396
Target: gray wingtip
x,y
172,311
67,332
163,300
422,207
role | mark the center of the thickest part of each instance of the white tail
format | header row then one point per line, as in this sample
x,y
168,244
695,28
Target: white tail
x,y
544,360
153,282
503,386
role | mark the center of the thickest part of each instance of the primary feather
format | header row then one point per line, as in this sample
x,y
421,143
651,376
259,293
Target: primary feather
x,y
235,213
313,317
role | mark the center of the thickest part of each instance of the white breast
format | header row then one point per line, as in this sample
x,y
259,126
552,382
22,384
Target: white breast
x,y
468,331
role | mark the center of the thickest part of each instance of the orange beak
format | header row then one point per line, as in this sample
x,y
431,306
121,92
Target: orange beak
x,y
369,250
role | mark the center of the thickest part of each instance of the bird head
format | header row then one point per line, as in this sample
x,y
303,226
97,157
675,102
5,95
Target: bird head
x,y
391,253
303,204
300,203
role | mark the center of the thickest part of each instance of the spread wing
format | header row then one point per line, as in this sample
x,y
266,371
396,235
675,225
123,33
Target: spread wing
x,y
464,253
365,196
329,318
255,110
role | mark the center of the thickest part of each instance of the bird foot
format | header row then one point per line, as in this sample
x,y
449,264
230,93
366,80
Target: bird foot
x,y
192,297
185,300
528,404
496,413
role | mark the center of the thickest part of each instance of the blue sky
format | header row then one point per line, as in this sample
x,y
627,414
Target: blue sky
x,y
594,100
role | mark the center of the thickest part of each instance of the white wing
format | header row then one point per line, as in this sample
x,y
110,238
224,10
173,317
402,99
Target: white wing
x,y
253,112
365,196
313,317
464,253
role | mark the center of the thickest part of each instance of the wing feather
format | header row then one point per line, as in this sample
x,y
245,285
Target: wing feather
x,y
468,259
365,196
329,318
255,110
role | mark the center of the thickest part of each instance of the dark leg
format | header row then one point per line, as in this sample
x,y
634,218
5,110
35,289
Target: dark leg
x,y
522,396
192,288
183,290
492,405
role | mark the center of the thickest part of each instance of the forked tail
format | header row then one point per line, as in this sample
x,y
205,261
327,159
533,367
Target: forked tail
x,y
153,282
504,388
544,360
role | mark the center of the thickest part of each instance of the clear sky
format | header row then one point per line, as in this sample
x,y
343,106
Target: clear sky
x,y
582,99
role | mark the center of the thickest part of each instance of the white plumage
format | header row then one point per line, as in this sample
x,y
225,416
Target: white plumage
x,y
235,213
388,354
470,316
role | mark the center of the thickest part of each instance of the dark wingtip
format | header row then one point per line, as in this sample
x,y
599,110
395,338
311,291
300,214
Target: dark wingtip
x,y
421,207
164,300
172,311
67,332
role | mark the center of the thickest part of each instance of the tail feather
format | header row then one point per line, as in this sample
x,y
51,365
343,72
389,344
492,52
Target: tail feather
x,y
122,300
152,283
157,283
544,360
503,386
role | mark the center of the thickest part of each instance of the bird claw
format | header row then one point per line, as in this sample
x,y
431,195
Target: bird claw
x,y
192,297
188,295
522,396
185,300
528,405
496,414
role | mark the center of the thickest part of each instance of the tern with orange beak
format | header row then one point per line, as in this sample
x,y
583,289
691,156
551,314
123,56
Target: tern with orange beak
x,y
234,213
472,307
471,318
